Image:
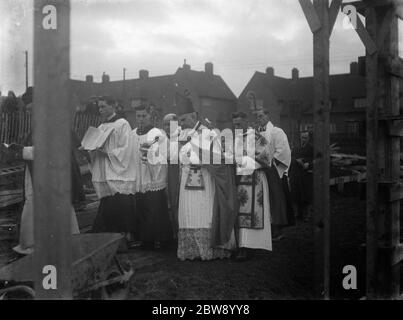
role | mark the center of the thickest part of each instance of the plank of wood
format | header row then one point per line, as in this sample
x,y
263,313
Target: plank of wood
x,y
51,121
366,39
310,15
11,201
333,13
10,192
321,106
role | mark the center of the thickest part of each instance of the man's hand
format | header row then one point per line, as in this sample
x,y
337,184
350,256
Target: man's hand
x,y
99,151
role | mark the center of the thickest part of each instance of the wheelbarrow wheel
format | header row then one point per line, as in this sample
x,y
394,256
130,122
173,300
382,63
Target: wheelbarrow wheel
x,y
17,293
115,291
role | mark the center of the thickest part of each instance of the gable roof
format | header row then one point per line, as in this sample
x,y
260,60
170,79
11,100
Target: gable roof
x,y
159,90
343,87
206,85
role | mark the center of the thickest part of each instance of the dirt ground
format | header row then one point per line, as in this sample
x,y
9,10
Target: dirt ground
x,y
284,273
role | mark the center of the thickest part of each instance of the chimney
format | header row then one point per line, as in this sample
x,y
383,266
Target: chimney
x,y
105,78
208,68
143,74
270,71
186,66
295,74
361,66
89,78
354,68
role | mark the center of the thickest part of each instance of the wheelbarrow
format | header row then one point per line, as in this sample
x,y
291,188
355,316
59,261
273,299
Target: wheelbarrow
x,y
95,270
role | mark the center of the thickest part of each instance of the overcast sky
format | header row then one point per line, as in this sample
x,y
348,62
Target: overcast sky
x,y
238,36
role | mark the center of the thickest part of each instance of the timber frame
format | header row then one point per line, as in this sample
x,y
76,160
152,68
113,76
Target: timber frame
x,y
384,252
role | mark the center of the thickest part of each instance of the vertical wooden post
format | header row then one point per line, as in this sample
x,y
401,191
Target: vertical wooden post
x,y
26,69
383,157
51,116
372,163
321,150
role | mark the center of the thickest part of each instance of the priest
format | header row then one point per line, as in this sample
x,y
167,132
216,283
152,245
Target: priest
x,y
207,197
254,219
172,130
151,198
278,152
114,173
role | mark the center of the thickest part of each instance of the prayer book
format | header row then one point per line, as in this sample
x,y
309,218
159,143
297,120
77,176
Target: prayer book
x,y
95,138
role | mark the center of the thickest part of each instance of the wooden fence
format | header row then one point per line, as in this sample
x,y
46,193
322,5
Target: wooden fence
x,y
15,127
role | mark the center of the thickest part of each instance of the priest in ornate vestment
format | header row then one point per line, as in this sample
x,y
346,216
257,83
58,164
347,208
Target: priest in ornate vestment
x,y
207,198
254,219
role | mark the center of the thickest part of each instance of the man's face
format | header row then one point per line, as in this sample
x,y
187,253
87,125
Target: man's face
x,y
304,138
239,123
187,121
166,125
262,118
143,118
105,110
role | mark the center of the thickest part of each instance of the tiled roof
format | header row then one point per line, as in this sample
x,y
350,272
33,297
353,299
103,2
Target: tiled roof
x,y
159,90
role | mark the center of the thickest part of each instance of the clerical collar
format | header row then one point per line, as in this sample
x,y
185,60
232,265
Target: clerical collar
x,y
111,118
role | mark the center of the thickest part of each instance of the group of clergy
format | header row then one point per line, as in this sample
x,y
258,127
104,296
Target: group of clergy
x,y
210,209
155,186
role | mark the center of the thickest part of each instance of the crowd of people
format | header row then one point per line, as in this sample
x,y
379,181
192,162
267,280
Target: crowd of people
x,y
208,210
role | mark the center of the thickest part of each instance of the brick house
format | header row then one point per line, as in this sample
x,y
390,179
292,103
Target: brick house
x,y
211,96
289,101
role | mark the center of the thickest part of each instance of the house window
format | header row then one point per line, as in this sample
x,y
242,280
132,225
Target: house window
x,y
360,103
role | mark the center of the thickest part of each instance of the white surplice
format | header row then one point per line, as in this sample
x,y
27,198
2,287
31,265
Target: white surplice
x,y
152,175
278,147
114,170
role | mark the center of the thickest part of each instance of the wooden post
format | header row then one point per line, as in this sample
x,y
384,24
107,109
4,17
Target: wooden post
x,y
383,156
26,69
51,116
321,150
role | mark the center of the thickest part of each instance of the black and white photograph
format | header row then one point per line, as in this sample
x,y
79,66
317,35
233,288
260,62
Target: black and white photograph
x,y
201,156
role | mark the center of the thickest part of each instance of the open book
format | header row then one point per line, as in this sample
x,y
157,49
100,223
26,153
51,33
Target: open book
x,y
95,138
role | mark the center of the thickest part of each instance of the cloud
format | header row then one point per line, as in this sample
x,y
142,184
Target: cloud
x,y
238,36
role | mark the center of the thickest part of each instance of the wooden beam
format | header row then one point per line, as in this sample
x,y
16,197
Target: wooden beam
x,y
395,254
321,165
395,128
333,13
362,5
383,158
394,66
366,39
399,10
372,198
384,28
51,129
310,15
